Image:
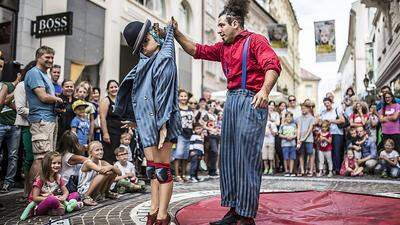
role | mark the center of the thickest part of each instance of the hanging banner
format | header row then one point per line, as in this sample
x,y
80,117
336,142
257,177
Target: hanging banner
x,y
278,38
325,42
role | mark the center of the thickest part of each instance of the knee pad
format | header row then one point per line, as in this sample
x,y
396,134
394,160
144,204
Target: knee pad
x,y
151,170
163,172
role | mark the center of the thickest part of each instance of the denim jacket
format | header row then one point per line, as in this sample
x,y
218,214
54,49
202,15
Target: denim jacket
x,y
148,95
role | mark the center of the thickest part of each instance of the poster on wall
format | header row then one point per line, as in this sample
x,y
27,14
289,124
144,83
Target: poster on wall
x,y
325,42
278,38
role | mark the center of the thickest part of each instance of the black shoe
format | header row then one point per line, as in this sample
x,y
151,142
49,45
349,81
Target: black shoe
x,y
246,221
230,218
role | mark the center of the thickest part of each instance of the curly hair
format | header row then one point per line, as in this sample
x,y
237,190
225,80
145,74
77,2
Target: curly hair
x,y
236,10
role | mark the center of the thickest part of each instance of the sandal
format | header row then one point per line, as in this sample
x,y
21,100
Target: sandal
x,y
310,174
178,179
111,195
87,200
21,200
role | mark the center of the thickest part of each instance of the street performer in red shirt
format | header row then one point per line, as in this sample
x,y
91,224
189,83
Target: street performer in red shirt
x,y
252,69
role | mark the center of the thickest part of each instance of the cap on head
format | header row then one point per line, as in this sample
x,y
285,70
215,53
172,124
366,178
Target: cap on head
x,y
78,103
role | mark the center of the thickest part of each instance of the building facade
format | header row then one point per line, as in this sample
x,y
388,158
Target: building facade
x,y
308,88
354,63
384,42
96,50
283,12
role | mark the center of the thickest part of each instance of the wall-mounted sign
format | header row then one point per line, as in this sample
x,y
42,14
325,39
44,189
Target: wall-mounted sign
x,y
52,25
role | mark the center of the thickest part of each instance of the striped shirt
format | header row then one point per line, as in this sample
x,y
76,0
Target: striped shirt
x,y
196,143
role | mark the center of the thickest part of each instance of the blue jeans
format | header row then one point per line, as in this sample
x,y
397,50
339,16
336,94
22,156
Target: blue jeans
x,y
289,153
213,155
11,134
195,156
337,151
182,148
306,148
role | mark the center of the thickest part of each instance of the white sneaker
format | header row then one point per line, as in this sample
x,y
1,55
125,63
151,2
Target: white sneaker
x,y
193,180
287,175
200,179
330,174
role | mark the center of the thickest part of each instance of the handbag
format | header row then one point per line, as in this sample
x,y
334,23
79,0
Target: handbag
x,y
346,121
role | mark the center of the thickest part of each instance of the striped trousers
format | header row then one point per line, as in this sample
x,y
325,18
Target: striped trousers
x,y
243,129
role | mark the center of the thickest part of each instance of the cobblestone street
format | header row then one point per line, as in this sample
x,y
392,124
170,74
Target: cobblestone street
x,y
132,208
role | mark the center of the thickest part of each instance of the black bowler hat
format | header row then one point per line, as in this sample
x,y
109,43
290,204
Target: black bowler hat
x,y
134,34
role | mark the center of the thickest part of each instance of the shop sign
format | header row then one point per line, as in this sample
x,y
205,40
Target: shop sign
x,y
52,25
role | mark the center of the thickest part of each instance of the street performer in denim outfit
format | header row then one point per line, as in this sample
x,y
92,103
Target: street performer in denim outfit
x,y
252,69
148,97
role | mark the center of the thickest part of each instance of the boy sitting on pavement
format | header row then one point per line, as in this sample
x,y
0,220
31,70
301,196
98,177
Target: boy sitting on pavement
x,y
127,182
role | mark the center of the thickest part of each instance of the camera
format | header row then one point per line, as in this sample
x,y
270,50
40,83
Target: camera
x,y
59,108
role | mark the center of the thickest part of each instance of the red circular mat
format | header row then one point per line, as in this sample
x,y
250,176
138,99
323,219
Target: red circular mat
x,y
309,207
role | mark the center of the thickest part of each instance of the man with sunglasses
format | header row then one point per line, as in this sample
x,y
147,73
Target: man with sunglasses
x,y
293,107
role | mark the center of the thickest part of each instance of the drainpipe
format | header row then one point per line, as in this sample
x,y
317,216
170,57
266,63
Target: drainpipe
x,y
202,41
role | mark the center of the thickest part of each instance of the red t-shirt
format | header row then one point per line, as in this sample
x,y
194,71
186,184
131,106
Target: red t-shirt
x,y
324,145
261,58
356,118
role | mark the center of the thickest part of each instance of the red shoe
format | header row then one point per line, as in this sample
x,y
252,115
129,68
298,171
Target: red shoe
x,y
165,221
151,218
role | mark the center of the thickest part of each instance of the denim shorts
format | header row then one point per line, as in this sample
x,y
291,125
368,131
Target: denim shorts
x,y
182,148
306,148
289,152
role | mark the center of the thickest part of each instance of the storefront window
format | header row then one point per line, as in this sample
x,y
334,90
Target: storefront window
x,y
158,6
7,33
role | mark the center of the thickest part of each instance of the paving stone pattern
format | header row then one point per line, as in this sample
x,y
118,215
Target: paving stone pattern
x,y
118,211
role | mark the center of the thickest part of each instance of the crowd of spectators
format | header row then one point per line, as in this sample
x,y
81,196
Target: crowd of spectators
x,y
76,152
349,138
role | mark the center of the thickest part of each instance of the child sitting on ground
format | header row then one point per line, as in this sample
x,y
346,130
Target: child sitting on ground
x,y
71,159
388,161
49,195
127,182
196,152
125,141
350,166
80,124
96,176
